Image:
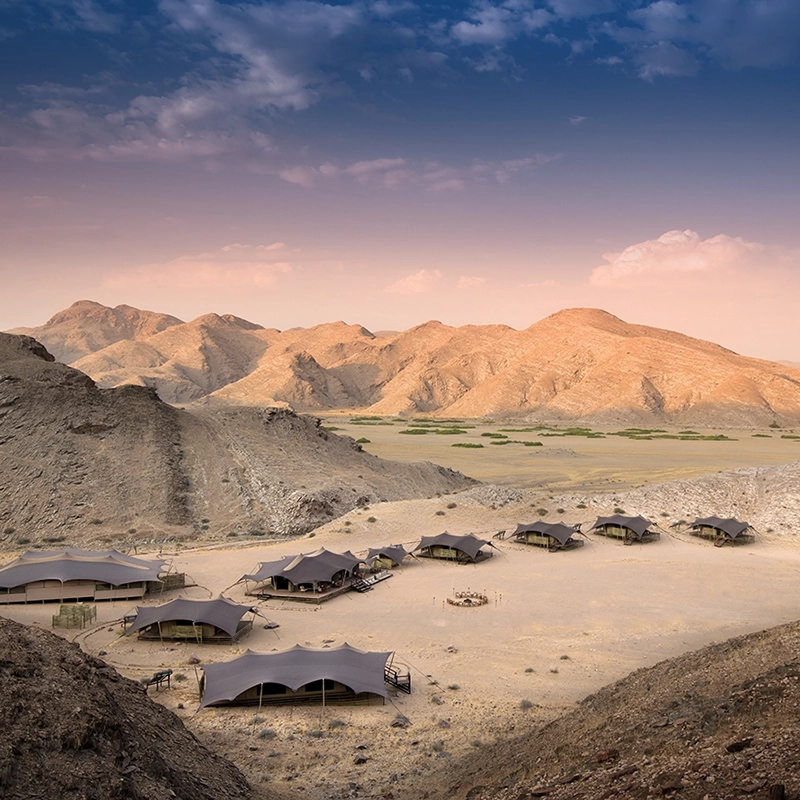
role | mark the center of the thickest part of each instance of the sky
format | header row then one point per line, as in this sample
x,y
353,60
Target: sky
x,y
387,162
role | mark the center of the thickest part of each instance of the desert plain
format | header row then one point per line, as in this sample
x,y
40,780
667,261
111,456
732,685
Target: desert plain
x,y
557,626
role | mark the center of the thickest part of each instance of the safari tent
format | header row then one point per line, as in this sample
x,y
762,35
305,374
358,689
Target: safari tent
x,y
722,531
555,536
629,529
315,576
214,621
461,549
300,675
387,557
71,574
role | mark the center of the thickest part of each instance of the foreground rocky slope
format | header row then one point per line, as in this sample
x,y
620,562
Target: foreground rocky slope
x,y
72,728
84,465
718,723
576,364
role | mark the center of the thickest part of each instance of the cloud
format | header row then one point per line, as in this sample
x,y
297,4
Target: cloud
x,y
673,255
577,120
235,266
470,282
416,283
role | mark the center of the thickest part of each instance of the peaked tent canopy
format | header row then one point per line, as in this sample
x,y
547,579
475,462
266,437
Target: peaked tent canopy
x,y
72,564
394,552
221,613
469,544
732,527
359,670
637,525
560,532
321,565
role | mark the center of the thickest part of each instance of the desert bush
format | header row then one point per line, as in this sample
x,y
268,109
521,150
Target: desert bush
x,y
529,669
471,445
453,687
440,513
581,505
372,519
9,530
363,440
490,435
451,505
525,705
336,723
267,733
542,512
618,510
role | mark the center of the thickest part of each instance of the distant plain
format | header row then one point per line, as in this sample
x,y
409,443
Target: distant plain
x,y
570,463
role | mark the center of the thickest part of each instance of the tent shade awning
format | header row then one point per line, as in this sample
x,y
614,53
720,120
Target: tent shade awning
x,y
221,613
395,553
560,532
72,564
732,527
469,544
637,525
357,669
315,567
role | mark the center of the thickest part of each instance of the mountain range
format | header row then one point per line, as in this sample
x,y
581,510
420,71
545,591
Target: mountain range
x,y
577,364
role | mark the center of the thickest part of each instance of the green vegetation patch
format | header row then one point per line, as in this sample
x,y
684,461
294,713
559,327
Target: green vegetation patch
x,y
789,436
470,445
415,431
491,435
761,436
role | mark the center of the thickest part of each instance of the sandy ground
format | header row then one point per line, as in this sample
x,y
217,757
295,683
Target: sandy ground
x,y
557,627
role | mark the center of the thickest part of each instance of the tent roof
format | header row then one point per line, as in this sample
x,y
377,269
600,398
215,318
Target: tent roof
x,y
321,565
222,613
639,525
361,671
394,552
733,527
468,544
72,564
562,533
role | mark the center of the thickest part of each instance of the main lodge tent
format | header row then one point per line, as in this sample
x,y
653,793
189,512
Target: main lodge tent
x,y
629,529
73,574
464,549
298,675
197,620
555,536
722,531
317,572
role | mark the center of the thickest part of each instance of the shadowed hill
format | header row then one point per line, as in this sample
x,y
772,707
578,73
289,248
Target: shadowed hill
x,y
717,723
72,728
84,464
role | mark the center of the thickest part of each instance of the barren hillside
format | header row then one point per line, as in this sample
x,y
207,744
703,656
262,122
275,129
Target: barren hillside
x,y
72,728
119,465
577,364
714,724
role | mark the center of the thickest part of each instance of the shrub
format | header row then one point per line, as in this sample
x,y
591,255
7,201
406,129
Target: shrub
x,y
316,734
451,505
542,512
618,510
491,435
363,440
525,705
454,687
267,733
471,445
336,723
440,513
559,511
372,519
180,677
529,669
581,505
23,540
9,530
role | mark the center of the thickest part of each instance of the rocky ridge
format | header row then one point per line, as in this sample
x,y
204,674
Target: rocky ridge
x,y
71,727
119,466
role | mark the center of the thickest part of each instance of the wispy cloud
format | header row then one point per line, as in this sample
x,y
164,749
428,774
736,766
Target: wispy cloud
x,y
577,120
470,282
233,266
416,283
